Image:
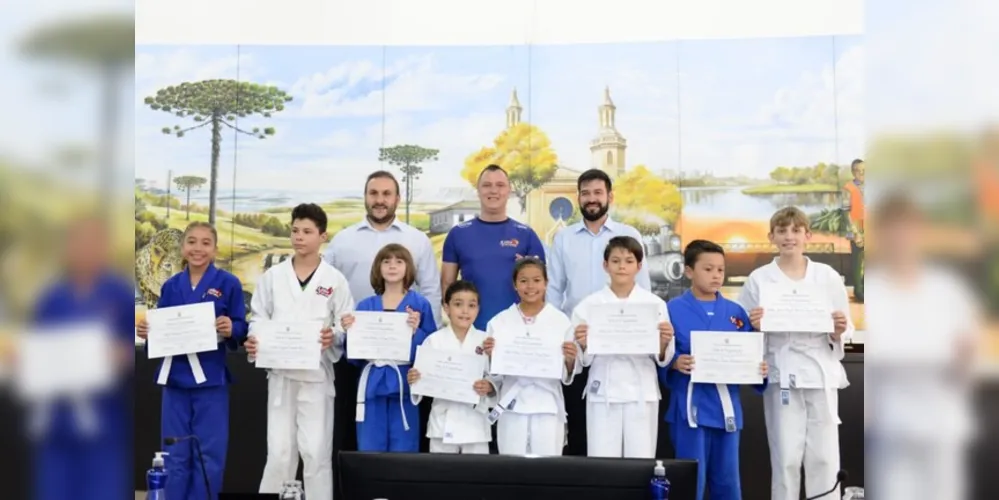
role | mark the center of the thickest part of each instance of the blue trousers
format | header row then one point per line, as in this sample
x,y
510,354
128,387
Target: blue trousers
x,y
382,429
87,469
717,454
202,412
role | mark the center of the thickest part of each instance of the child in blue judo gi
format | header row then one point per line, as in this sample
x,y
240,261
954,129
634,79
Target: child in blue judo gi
x,y
705,419
195,387
83,440
387,420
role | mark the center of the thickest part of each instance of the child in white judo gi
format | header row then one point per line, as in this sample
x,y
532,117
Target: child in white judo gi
x,y
300,401
457,427
531,408
622,393
801,404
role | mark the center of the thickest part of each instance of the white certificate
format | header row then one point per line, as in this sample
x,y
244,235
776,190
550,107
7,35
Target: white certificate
x,y
726,357
178,330
380,336
448,375
288,345
527,352
65,361
796,307
622,328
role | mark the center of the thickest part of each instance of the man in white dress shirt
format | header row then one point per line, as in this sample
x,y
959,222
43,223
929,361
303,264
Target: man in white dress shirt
x,y
576,261
353,249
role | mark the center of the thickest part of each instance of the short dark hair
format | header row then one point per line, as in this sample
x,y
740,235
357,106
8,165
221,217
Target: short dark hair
x,y
381,174
593,174
696,248
528,262
458,287
310,211
854,163
392,250
492,167
624,243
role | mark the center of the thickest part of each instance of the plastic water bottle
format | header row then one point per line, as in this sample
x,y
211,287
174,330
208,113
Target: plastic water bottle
x,y
659,485
156,478
853,493
292,490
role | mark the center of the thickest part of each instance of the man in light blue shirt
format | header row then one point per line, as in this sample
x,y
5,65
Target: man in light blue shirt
x,y
576,261
352,250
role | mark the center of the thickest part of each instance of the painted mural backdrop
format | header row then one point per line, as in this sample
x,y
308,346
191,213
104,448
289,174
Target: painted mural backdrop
x,y
704,139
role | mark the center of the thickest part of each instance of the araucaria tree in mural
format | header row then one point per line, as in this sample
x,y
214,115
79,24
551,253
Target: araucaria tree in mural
x,y
410,159
188,183
218,103
525,152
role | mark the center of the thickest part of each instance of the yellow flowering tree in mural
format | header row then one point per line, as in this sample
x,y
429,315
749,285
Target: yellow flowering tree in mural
x,y
645,200
524,151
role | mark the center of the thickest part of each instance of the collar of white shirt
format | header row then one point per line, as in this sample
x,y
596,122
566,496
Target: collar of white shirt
x,y
609,225
366,224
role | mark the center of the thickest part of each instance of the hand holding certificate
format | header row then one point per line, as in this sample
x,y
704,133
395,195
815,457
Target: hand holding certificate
x,y
527,353
288,345
380,336
726,357
796,307
72,360
447,375
174,331
623,328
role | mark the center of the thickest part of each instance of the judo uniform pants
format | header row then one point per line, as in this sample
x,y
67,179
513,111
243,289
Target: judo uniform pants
x,y
717,454
202,412
802,428
437,446
84,469
301,423
617,430
537,434
907,468
382,429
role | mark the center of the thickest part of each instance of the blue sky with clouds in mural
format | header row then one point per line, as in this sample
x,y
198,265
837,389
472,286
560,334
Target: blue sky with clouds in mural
x,y
723,106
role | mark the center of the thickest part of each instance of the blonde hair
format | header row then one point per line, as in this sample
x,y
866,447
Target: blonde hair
x,y
791,217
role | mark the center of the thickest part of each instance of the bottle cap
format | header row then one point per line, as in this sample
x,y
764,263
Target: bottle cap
x,y
158,458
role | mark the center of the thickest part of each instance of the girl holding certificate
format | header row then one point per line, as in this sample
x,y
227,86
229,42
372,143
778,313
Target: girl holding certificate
x,y
387,420
531,409
195,392
456,427
705,419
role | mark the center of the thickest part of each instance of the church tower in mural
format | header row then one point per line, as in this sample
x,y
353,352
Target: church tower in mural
x,y
607,148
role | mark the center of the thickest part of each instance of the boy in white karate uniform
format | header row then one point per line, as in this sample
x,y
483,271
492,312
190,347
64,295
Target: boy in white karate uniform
x,y
455,427
622,393
801,403
531,410
300,402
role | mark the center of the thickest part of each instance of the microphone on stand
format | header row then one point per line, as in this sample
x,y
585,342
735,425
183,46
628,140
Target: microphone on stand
x,y
841,477
201,458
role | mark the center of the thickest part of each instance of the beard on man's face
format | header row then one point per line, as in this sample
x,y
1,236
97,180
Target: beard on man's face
x,y
594,210
389,213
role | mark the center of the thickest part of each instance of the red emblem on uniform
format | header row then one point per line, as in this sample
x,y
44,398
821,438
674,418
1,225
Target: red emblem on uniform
x,y
737,322
214,292
324,291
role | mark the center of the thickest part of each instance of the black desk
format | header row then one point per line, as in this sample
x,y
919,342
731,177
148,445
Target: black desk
x,y
248,427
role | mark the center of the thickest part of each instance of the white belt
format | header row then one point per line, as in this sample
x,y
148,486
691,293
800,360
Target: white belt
x,y
83,410
362,389
521,384
785,377
199,373
606,370
728,409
